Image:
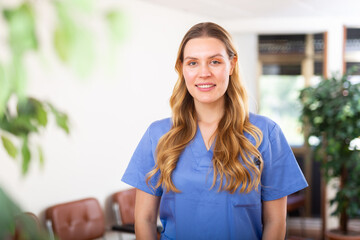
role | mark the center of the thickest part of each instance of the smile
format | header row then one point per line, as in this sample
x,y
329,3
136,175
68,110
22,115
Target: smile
x,y
205,86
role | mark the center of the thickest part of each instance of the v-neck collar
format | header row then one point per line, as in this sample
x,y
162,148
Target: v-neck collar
x,y
198,146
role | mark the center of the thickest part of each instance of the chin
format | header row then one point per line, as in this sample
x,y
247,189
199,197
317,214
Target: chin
x,y
207,101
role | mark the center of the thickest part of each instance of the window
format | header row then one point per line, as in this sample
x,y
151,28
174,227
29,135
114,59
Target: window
x,y
279,101
352,51
288,63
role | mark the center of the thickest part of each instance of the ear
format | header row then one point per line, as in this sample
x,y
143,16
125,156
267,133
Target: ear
x,y
233,63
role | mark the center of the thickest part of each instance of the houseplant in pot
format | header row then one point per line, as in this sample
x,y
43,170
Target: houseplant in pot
x,y
331,111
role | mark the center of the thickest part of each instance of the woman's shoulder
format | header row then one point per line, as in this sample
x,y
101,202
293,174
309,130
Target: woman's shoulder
x,y
265,124
261,121
160,127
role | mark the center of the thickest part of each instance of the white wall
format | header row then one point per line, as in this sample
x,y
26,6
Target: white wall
x,y
247,46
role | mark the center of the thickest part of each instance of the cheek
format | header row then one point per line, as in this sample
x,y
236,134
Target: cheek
x,y
223,76
225,80
189,77
186,78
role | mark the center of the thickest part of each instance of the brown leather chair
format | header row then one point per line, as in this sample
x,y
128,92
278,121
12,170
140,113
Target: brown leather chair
x,y
77,220
123,204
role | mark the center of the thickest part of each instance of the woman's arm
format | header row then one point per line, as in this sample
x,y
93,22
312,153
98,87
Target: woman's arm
x,y
146,210
274,219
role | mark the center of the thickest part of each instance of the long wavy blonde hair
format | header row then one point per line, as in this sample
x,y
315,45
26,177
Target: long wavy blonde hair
x,y
233,158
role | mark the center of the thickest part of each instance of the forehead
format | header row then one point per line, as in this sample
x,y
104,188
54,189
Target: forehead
x,y
205,46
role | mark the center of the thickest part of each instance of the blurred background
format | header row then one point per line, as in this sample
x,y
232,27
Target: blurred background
x,y
104,70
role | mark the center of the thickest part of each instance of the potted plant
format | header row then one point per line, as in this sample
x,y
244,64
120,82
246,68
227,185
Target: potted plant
x,y
331,111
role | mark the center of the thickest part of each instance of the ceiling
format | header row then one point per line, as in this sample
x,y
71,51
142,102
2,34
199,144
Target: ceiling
x,y
240,9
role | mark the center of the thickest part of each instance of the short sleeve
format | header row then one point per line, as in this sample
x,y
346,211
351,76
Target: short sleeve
x,y
281,173
141,163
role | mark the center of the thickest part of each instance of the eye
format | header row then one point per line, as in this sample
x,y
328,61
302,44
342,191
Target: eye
x,y
215,62
191,63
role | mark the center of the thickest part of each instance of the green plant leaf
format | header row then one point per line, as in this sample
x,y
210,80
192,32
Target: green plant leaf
x,y
64,32
22,34
26,156
17,75
21,125
73,42
9,147
79,6
33,110
12,215
61,119
27,108
9,210
41,156
331,109
41,114
117,24
62,42
5,87
62,122
82,56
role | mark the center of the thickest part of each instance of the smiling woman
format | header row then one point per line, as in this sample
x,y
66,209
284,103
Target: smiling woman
x,y
212,132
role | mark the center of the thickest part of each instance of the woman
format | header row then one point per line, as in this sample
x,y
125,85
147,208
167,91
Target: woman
x,y
215,170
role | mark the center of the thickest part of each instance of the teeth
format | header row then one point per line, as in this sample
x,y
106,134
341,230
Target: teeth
x,y
205,86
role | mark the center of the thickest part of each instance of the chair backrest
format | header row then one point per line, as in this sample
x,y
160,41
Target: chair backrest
x,y
124,206
77,220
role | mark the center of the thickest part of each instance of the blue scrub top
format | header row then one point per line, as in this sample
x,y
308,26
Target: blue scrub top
x,y
199,212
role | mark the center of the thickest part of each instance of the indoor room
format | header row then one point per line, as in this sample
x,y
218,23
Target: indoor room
x,y
83,82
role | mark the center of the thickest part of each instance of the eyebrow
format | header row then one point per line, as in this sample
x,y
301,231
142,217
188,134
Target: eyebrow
x,y
216,55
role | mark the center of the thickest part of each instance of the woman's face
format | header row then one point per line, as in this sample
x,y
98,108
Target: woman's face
x,y
206,68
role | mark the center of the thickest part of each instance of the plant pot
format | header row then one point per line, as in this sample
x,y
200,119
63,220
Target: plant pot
x,y
335,234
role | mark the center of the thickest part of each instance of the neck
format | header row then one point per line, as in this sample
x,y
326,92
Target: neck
x,y
210,113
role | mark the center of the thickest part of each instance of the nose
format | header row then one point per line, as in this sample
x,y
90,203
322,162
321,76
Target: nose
x,y
205,71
